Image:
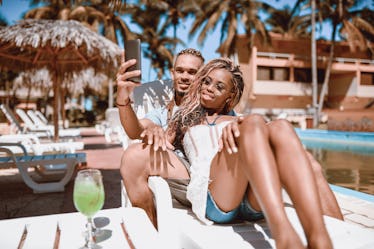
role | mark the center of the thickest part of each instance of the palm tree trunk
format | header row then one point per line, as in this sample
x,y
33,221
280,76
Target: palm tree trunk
x,y
28,97
175,37
314,69
328,71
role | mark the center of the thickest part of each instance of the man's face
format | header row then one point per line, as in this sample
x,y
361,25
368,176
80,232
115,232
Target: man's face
x,y
185,68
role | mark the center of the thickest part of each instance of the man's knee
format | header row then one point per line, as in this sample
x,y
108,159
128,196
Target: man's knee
x,y
133,161
316,166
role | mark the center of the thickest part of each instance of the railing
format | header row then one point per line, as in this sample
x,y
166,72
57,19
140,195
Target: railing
x,y
273,55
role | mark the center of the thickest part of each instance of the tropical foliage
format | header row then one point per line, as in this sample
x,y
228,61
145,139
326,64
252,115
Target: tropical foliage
x,y
230,16
289,22
157,46
346,20
154,18
96,14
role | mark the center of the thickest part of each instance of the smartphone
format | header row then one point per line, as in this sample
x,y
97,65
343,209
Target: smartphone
x,y
133,51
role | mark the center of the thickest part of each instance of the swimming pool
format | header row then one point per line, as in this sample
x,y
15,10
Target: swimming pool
x,y
346,157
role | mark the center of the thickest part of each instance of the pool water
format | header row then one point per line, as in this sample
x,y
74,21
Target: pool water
x,y
346,157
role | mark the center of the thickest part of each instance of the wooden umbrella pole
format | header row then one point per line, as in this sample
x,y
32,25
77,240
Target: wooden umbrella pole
x,y
62,102
56,94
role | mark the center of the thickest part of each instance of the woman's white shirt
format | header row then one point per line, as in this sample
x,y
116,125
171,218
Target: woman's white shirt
x,y
201,145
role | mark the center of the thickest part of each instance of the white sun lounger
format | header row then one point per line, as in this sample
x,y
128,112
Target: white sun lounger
x,y
48,167
41,116
17,128
41,126
181,224
33,144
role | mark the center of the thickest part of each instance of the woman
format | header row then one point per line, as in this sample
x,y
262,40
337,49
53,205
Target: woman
x,y
224,185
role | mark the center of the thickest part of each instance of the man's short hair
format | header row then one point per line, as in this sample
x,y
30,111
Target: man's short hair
x,y
191,51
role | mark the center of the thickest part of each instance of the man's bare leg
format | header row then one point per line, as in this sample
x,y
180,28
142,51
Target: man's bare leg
x,y
329,203
138,162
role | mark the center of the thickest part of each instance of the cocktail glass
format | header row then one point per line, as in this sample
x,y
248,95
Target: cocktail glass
x,y
89,199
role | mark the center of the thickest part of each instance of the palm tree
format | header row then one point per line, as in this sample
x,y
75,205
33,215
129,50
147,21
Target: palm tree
x,y
174,12
96,14
3,21
50,10
229,15
288,22
360,31
340,14
158,47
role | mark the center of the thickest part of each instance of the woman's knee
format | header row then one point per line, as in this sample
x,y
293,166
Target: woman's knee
x,y
281,125
281,131
253,123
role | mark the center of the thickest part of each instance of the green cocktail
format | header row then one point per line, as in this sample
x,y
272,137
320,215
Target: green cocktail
x,y
88,197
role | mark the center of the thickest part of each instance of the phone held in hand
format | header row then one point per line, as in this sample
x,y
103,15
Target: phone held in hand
x,y
133,51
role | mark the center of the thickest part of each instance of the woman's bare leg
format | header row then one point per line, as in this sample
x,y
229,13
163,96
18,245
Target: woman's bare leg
x,y
257,164
138,162
329,203
297,177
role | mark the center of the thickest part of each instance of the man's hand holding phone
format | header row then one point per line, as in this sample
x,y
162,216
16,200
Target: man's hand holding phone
x,y
125,87
129,73
133,51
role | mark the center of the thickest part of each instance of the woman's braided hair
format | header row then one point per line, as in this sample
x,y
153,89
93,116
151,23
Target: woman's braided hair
x,y
191,112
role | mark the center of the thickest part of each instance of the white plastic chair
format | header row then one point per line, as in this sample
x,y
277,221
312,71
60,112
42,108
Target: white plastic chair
x,y
113,130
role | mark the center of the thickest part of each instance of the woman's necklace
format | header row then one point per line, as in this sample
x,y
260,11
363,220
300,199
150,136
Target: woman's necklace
x,y
214,120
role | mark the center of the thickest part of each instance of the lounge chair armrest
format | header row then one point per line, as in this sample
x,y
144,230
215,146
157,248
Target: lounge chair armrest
x,y
167,227
2,144
47,132
140,230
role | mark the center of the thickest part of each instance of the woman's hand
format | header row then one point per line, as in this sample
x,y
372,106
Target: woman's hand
x,y
229,134
124,86
157,137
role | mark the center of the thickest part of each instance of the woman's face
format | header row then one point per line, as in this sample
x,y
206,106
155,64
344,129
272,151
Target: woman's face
x,y
216,89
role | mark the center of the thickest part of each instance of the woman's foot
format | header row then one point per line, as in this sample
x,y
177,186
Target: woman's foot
x,y
320,240
290,240
286,237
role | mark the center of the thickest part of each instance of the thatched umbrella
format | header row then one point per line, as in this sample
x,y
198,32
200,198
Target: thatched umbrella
x,y
76,82
33,79
73,83
61,46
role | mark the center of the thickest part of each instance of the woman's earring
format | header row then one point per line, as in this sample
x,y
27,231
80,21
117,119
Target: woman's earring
x,y
228,100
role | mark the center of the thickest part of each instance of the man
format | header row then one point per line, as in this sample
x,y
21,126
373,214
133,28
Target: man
x,y
186,64
135,160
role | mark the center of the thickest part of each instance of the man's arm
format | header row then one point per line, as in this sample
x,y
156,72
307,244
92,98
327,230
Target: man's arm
x,y
135,128
130,122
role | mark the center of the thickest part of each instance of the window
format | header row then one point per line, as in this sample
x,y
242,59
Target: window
x,y
273,73
303,75
367,79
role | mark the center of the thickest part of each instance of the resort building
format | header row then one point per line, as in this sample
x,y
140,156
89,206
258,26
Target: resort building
x,y
279,82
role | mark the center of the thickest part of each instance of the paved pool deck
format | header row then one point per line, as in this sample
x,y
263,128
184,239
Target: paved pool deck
x,y
357,207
